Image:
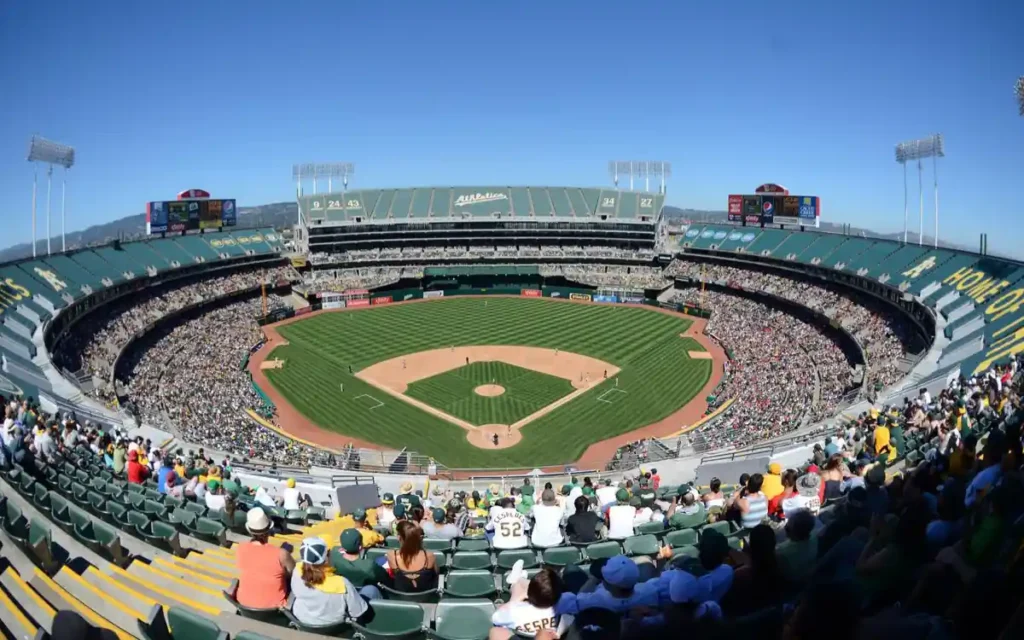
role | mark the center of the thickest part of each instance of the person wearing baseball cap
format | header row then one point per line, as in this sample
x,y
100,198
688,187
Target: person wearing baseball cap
x,y
772,484
364,573
436,527
386,511
619,590
263,569
620,517
370,537
321,596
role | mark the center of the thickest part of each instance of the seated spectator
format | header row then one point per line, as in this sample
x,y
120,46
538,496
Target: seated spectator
x,y
617,591
584,524
174,488
530,608
772,485
438,528
161,477
321,596
714,497
788,491
798,554
751,503
263,569
547,521
509,526
386,511
137,473
413,569
363,573
620,517
370,537
215,499
807,496
607,494
686,512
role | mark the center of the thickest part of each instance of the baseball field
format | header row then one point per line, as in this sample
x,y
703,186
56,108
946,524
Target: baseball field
x,y
444,377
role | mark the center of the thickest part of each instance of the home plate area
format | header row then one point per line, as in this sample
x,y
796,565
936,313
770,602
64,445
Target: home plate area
x,y
611,396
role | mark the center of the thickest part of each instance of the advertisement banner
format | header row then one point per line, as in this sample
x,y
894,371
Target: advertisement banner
x,y
768,209
177,216
359,302
408,296
530,293
735,208
433,294
810,210
752,209
556,294
584,297
633,300
229,217
605,298
156,217
334,304
381,300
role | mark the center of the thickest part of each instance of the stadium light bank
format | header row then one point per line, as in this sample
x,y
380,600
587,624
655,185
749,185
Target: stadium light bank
x,y
50,153
920,149
645,169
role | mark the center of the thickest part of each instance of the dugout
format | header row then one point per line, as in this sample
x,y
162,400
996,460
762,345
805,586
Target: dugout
x,y
509,276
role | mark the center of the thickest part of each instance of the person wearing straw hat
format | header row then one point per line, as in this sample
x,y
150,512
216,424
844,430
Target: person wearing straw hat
x,y
321,596
406,497
263,569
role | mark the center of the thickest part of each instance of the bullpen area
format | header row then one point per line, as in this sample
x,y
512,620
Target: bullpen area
x,y
488,381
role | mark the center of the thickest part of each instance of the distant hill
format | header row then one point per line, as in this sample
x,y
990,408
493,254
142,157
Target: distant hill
x,y
279,215
282,215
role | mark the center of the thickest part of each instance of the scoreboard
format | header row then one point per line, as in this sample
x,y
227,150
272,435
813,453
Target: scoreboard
x,y
176,216
775,208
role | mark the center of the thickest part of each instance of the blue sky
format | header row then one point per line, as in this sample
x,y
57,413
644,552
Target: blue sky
x,y
226,96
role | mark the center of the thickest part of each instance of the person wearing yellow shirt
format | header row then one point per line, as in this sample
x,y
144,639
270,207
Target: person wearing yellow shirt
x,y
772,485
370,537
883,446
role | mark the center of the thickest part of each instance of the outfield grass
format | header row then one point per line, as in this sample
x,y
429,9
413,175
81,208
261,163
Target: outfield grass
x,y
525,392
656,378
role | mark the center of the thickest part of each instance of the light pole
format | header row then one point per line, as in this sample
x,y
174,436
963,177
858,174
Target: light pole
x,y
920,149
314,170
50,153
645,169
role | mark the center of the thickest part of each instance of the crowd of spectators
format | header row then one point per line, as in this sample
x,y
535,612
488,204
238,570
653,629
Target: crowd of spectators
x,y
92,344
782,372
861,541
882,336
463,252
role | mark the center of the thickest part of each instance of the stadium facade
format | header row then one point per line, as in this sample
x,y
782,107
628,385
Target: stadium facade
x,y
969,307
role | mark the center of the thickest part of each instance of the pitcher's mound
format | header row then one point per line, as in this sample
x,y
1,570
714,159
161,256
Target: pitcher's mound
x,y
483,436
489,390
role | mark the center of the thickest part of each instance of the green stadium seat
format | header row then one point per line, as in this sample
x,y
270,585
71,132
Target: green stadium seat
x,y
470,584
437,544
41,498
472,544
602,550
119,515
59,511
333,629
562,556
722,526
462,619
40,542
377,552
210,531
428,596
654,528
15,524
392,542
271,615
681,537
471,560
690,521
179,623
509,557
392,621
645,545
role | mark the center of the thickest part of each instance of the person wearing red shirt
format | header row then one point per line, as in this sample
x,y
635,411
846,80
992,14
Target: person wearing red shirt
x,y
136,472
655,479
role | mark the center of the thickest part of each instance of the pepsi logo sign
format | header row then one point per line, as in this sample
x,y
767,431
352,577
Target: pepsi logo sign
x,y
767,207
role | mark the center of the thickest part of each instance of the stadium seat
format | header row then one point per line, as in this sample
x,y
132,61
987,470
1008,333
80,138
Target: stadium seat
x,y
333,629
179,624
471,560
392,621
59,511
645,545
375,552
15,524
509,557
392,542
462,619
437,544
270,615
722,526
681,537
470,584
655,528
562,556
210,531
602,550
40,543
430,595
472,544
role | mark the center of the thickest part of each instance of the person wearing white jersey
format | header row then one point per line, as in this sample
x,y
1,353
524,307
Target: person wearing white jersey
x,y
291,496
547,521
606,494
621,516
509,526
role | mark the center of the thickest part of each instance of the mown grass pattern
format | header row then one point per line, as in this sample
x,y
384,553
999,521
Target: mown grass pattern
x,y
656,372
525,392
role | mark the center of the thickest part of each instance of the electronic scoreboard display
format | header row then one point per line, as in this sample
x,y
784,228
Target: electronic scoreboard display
x,y
176,216
775,208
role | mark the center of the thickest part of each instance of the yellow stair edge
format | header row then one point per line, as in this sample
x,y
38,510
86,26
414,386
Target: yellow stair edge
x,y
188,563
98,575
30,592
86,612
219,560
102,595
220,584
191,604
26,624
145,568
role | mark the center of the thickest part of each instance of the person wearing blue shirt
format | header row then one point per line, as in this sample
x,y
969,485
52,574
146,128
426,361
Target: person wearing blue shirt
x,y
618,591
161,480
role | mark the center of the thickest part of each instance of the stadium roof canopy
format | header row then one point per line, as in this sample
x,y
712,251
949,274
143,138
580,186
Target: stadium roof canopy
x,y
428,204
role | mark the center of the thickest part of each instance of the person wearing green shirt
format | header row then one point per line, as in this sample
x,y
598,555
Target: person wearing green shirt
x,y
686,512
363,573
406,497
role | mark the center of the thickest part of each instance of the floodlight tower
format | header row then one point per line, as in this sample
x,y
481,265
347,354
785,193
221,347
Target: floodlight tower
x,y
636,169
660,170
50,153
931,147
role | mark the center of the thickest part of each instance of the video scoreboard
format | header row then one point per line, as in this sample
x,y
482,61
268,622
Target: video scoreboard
x,y
772,204
176,216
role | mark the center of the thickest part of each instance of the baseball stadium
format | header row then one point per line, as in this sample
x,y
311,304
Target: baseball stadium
x,y
404,340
